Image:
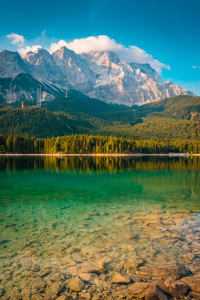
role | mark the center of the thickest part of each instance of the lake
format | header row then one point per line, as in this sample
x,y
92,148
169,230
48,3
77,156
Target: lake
x,y
95,217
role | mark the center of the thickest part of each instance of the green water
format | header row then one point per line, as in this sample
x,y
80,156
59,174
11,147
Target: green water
x,y
59,212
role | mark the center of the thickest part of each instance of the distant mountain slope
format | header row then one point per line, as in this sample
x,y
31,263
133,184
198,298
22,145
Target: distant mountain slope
x,y
79,114
101,75
11,64
38,122
167,128
85,107
179,107
76,114
177,117
25,87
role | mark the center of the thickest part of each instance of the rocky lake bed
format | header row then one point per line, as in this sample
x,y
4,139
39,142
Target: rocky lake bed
x,y
121,235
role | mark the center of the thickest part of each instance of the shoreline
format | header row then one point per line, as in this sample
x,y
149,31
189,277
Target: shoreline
x,y
104,154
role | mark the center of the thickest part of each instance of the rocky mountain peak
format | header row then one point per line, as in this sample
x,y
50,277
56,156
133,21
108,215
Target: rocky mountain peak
x,y
64,53
99,74
11,64
28,53
40,53
41,64
74,68
104,58
111,56
41,50
9,54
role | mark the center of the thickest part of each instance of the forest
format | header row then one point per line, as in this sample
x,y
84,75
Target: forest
x,y
172,118
79,124
83,144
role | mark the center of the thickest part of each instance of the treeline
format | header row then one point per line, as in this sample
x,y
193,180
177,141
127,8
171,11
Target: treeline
x,y
80,144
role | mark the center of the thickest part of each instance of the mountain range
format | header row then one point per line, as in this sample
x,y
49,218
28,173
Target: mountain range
x,y
100,75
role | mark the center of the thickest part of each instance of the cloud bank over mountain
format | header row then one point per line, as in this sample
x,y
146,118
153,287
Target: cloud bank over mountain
x,y
93,44
104,43
98,74
23,51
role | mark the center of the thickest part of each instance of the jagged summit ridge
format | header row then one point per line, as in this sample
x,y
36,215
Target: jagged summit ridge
x,y
100,75
74,69
41,64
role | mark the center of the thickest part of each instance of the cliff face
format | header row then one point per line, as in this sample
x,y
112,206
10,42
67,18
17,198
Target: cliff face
x,y
42,65
100,75
75,69
127,83
11,64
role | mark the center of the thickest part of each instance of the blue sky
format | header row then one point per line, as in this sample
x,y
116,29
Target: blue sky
x,y
166,31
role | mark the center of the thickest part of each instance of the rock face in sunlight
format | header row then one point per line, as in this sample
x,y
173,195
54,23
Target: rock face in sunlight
x,y
74,68
100,75
42,65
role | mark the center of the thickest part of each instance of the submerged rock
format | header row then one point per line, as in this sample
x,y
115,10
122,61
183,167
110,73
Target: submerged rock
x,y
84,295
87,276
54,290
118,216
76,284
133,264
162,270
146,290
174,287
193,282
138,289
35,268
103,213
154,293
135,278
92,267
118,278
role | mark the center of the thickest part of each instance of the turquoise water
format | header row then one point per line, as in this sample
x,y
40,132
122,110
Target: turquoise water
x,y
56,213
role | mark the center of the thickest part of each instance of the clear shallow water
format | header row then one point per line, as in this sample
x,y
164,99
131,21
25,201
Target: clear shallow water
x,y
56,213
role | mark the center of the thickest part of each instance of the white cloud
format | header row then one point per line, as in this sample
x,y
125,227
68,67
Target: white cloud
x,y
135,54
104,43
23,51
99,43
56,46
194,67
20,40
16,39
